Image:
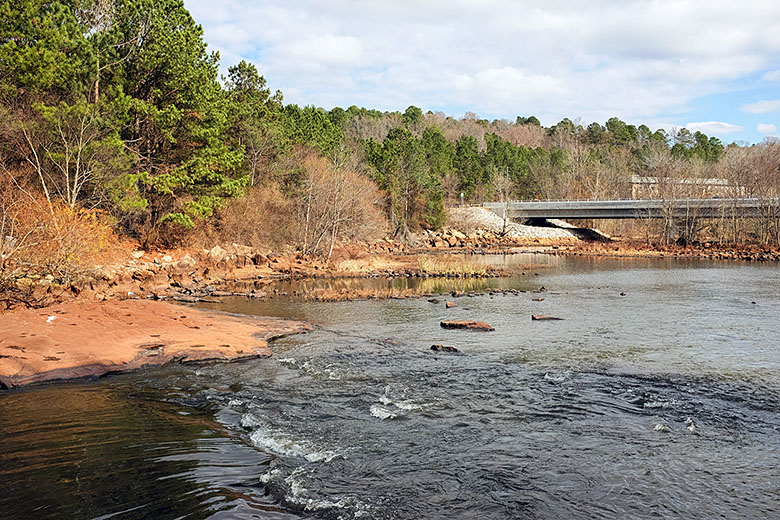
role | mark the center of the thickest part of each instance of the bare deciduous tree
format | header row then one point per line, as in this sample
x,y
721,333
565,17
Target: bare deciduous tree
x,y
72,153
337,202
503,188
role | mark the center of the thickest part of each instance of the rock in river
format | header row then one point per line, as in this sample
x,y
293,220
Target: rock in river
x,y
443,348
540,317
468,325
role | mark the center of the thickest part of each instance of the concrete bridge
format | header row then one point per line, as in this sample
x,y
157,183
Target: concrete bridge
x,y
621,209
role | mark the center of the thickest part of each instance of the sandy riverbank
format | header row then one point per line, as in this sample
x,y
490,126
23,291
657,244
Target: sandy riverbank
x,y
81,339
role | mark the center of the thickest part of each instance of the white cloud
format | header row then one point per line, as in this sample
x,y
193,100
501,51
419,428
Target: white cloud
x,y
328,49
772,76
638,60
762,107
714,127
766,128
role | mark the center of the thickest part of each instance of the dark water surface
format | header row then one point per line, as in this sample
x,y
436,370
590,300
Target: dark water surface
x,y
663,403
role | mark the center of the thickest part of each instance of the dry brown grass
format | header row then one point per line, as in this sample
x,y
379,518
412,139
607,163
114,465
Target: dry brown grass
x,y
340,295
374,264
50,237
448,266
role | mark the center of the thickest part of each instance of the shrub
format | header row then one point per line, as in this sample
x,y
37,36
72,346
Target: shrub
x,y
50,238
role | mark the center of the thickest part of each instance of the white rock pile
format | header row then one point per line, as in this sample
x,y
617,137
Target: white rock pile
x,y
469,219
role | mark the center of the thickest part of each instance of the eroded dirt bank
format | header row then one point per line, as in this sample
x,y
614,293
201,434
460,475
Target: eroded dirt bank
x,y
80,338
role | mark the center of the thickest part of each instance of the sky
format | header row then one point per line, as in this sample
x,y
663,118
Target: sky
x,y
712,66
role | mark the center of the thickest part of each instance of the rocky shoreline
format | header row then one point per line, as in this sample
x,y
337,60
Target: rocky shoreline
x,y
109,319
706,250
235,270
191,276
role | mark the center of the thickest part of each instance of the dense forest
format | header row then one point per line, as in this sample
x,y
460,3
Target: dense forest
x,y
114,113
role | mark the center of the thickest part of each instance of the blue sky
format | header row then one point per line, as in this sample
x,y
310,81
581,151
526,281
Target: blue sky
x,y
712,66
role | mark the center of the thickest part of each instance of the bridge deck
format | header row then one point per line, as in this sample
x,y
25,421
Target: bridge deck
x,y
623,209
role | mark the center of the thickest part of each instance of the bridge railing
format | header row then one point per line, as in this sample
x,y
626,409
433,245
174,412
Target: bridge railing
x,y
636,201
524,201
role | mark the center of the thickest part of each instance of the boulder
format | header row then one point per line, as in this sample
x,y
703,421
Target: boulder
x,y
450,305
217,255
186,262
259,259
242,250
443,348
467,325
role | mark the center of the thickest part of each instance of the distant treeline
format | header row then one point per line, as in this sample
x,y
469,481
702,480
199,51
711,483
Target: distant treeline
x,y
118,105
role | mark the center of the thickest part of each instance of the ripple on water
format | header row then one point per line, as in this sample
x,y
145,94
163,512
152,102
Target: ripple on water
x,y
553,420
281,442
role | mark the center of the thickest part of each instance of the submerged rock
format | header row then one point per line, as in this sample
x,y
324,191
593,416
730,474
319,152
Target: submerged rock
x,y
443,348
467,325
541,317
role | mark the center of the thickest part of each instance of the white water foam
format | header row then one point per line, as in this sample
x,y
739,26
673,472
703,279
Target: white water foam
x,y
659,403
298,494
559,377
377,410
395,402
310,369
690,425
283,443
661,427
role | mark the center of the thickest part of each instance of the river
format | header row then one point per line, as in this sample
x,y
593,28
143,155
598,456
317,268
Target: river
x,y
656,396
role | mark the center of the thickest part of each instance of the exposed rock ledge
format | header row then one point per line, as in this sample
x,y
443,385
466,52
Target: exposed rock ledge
x,y
80,339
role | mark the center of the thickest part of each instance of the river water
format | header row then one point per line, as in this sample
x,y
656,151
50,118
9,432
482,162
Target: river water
x,y
663,402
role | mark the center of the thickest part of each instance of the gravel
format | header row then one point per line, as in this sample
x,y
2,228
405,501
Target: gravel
x,y
469,219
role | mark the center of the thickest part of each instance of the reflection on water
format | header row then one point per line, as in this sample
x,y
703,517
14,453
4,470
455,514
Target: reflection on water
x,y
92,450
657,395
